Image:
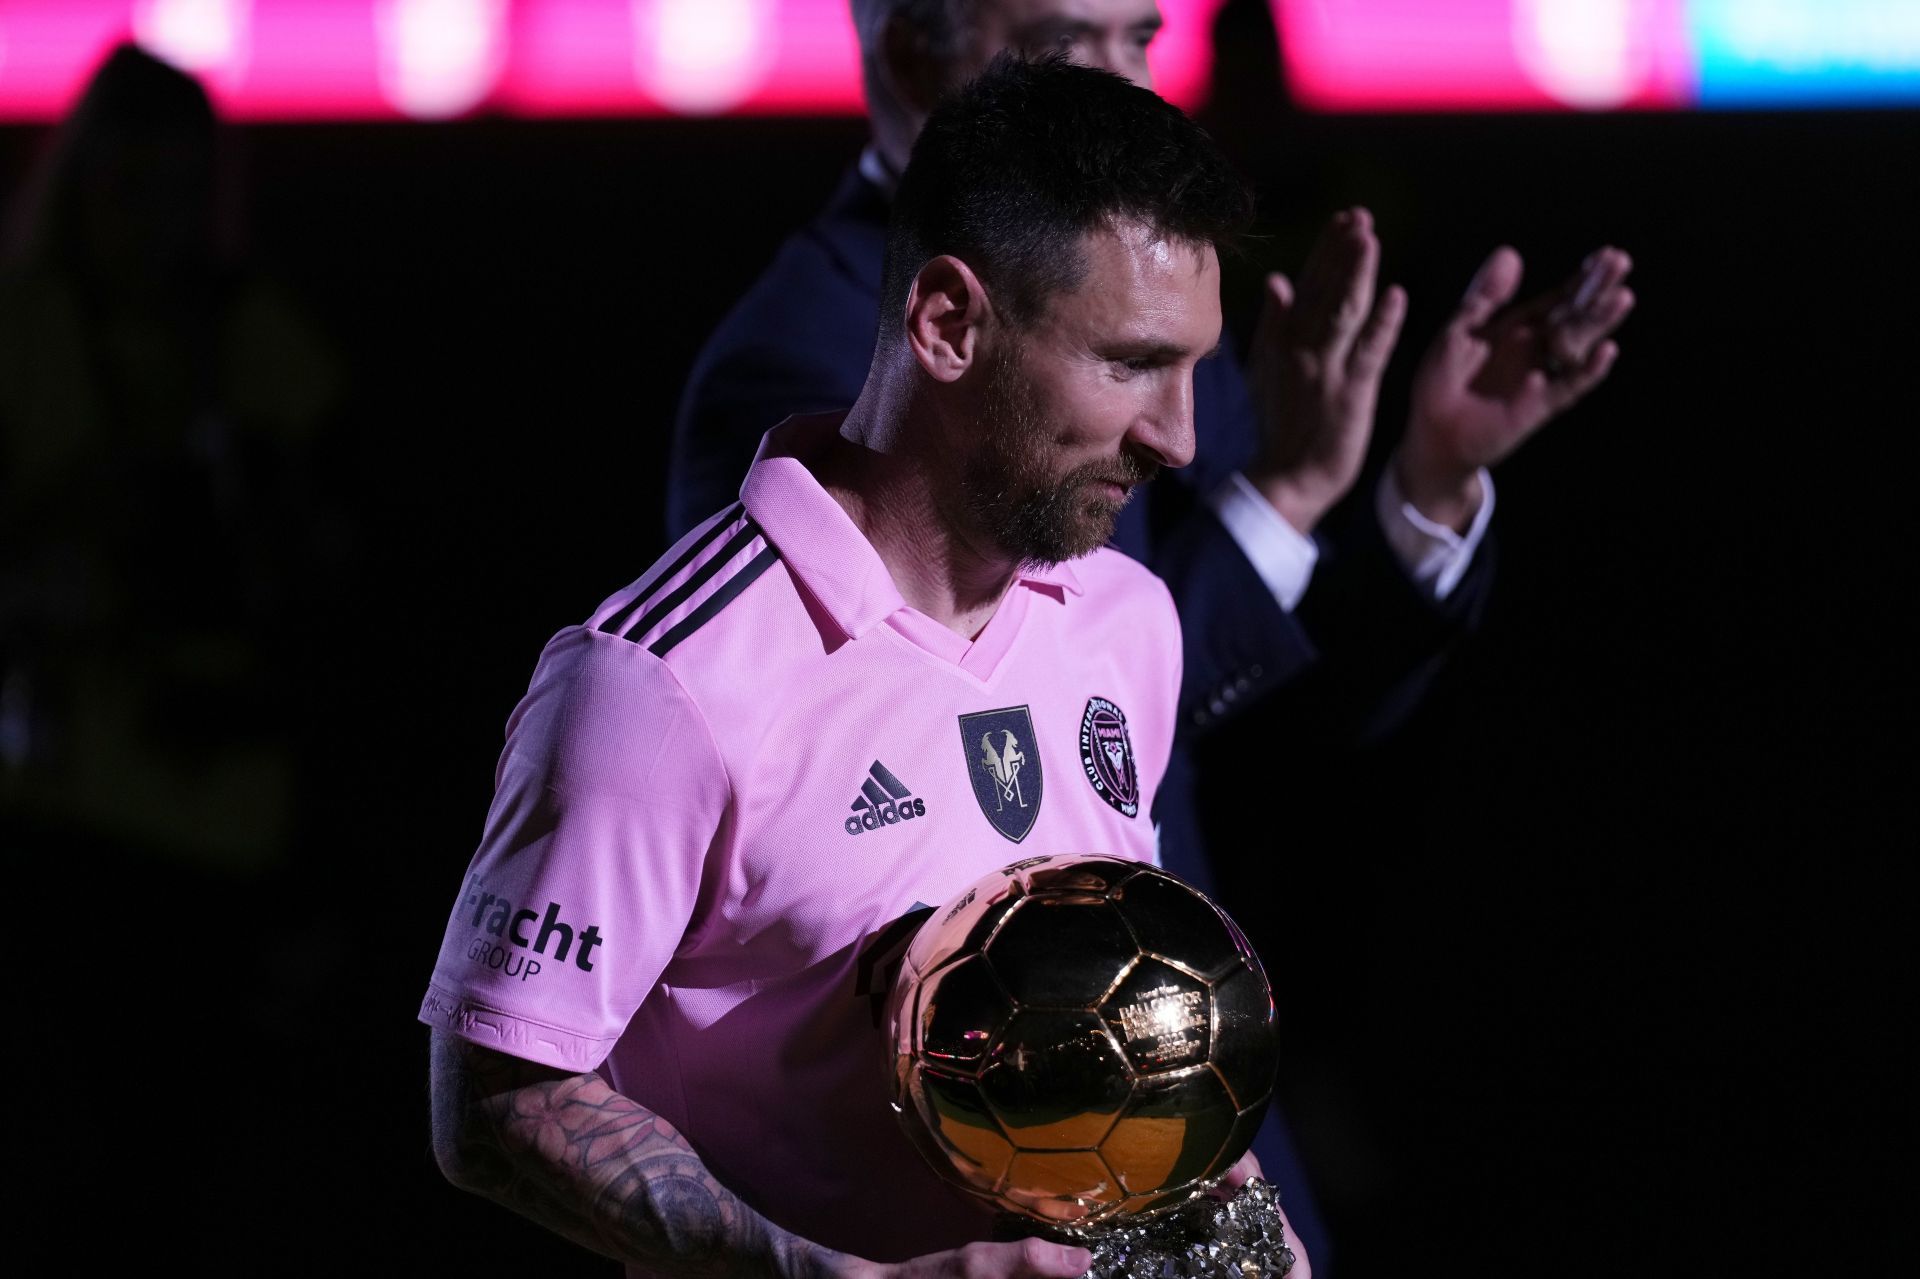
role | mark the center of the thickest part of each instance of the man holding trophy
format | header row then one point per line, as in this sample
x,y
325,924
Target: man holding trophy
x,y
901,662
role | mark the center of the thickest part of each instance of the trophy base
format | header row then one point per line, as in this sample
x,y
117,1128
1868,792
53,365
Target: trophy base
x,y
1239,1238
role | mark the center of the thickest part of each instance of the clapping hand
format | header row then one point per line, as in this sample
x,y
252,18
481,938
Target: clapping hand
x,y
1316,362
1498,373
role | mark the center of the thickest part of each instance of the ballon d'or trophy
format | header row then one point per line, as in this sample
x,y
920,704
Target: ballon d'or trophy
x,y
1089,1043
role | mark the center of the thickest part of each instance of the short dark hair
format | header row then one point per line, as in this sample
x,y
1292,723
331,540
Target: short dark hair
x,y
1013,169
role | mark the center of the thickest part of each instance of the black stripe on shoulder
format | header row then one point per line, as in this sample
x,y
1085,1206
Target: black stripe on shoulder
x,y
617,623
714,603
673,599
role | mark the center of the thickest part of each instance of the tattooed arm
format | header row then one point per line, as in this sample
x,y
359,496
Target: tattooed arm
x,y
570,1153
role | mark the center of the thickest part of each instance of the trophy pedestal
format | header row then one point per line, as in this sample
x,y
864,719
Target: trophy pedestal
x,y
1239,1238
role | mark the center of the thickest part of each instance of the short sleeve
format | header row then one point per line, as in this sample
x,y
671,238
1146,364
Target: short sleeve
x,y
606,804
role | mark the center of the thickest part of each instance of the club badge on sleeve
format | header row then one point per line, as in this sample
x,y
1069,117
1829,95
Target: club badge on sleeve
x,y
1003,762
1106,752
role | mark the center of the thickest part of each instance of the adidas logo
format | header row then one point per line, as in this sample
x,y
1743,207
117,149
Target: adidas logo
x,y
884,800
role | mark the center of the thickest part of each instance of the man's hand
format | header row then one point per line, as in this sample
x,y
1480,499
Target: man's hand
x,y
1316,365
1027,1259
1492,378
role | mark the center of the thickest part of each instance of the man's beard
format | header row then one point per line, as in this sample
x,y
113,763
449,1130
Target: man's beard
x,y
1010,495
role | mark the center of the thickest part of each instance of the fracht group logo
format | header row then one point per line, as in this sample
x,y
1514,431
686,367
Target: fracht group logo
x,y
510,937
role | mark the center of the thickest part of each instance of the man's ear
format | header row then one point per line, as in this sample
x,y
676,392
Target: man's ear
x,y
947,309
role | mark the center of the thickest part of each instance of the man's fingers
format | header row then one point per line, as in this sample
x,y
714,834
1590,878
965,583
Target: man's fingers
x,y
1491,288
1279,293
1599,362
1352,285
1571,337
1605,268
1375,343
1023,1259
1336,288
1040,1258
1319,266
1591,294
1026,1259
1356,298
1270,330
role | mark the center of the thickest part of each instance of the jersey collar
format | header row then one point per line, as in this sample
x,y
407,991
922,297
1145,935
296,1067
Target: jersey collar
x,y
821,545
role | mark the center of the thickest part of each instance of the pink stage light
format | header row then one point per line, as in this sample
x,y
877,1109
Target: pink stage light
x,y
1423,55
692,57
432,59
48,48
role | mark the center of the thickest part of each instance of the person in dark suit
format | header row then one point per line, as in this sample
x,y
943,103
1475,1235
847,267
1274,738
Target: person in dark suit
x,y
1240,534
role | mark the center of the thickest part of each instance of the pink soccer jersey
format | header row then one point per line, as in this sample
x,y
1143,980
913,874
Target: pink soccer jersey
x,y
721,797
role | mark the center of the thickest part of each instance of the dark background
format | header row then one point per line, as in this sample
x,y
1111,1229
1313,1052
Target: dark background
x,y
1603,964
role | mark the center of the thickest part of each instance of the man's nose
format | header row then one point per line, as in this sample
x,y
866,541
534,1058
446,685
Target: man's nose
x,y
1166,431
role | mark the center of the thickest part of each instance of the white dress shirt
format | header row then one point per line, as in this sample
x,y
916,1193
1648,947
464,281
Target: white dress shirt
x,y
1434,555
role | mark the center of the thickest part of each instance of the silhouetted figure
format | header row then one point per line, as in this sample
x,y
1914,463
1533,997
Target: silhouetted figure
x,y
154,398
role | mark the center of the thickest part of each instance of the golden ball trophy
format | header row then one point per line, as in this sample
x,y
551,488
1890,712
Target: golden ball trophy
x,y
1088,1043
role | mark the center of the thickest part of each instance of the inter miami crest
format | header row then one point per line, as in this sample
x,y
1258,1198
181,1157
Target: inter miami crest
x,y
1106,752
1003,762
